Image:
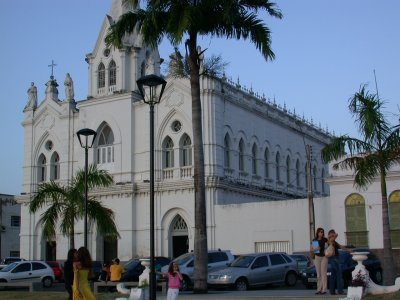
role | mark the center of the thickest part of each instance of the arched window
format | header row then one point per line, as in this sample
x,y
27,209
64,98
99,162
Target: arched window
x,y
227,151
288,169
297,173
394,218
105,146
112,73
323,181
356,223
241,155
266,163
254,159
186,151
42,174
168,153
277,167
55,166
101,76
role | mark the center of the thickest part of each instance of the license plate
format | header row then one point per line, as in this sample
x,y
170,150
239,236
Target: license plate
x,y
312,279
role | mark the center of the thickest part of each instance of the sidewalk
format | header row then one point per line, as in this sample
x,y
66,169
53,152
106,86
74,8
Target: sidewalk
x,y
280,294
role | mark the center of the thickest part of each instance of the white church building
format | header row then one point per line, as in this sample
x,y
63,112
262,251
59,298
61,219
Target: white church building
x,y
255,164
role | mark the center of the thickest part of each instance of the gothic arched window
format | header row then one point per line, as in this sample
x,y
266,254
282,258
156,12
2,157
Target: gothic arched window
x,y
227,151
112,73
42,165
168,153
105,146
288,169
277,167
55,166
101,76
266,163
241,155
186,151
254,159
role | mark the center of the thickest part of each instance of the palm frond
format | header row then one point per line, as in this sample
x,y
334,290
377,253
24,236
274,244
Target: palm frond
x,y
104,219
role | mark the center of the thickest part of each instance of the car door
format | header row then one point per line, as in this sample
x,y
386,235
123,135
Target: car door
x,y
278,267
22,272
259,271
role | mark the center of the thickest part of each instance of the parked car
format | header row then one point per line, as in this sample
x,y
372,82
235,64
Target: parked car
x,y
133,268
256,269
303,262
372,264
37,271
57,270
217,259
8,260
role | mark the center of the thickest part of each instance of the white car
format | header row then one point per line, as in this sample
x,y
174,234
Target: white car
x,y
35,271
217,259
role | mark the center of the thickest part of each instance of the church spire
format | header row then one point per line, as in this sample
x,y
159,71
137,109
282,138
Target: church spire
x,y
117,9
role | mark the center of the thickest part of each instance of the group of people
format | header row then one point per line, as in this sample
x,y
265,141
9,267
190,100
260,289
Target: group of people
x,y
78,269
319,247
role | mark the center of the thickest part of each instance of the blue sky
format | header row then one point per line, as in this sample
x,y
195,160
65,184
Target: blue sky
x,y
324,51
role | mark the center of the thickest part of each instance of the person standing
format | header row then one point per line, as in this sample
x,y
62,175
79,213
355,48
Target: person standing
x,y
174,281
69,271
82,271
320,261
336,278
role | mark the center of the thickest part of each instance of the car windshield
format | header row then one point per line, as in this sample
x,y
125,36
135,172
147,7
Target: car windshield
x,y
8,267
184,258
242,261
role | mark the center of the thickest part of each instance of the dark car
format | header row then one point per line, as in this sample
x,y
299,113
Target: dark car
x,y
303,262
57,269
372,264
133,268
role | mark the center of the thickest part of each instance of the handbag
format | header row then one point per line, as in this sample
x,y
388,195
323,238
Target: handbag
x,y
330,251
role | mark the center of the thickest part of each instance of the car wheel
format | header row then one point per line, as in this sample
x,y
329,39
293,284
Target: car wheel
x,y
47,282
241,284
185,283
291,279
2,288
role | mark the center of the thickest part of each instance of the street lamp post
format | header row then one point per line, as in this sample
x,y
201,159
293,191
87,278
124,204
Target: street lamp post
x,y
86,138
151,82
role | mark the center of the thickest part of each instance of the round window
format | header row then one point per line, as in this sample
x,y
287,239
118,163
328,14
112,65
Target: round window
x,y
176,126
49,145
106,52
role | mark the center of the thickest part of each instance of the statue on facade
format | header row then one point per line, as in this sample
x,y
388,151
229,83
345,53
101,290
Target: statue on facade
x,y
32,97
69,88
150,65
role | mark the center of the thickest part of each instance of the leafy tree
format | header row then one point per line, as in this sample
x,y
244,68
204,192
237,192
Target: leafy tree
x,y
65,205
187,20
369,157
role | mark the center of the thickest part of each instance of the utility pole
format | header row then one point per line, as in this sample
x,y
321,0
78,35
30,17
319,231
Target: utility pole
x,y
310,194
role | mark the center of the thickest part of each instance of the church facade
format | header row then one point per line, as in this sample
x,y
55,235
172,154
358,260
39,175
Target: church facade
x,y
255,161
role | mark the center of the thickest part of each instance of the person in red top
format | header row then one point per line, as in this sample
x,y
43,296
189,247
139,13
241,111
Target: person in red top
x,y
174,281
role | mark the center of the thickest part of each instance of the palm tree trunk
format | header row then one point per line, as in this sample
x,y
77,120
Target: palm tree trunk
x,y
72,239
200,224
388,262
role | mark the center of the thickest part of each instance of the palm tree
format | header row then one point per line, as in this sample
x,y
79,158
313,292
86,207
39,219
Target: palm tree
x,y
369,157
179,20
65,205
